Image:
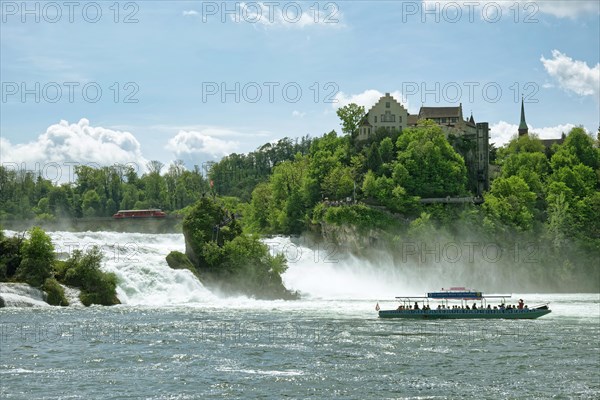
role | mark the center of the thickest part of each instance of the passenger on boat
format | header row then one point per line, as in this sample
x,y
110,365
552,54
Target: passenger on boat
x,y
489,307
474,306
521,304
467,307
416,306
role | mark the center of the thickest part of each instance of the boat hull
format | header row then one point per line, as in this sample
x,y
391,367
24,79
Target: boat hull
x,y
464,314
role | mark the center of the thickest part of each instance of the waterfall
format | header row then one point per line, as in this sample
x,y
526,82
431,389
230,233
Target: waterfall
x,y
21,295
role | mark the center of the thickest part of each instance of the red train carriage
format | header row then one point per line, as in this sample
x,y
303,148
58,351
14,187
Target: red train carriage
x,y
152,213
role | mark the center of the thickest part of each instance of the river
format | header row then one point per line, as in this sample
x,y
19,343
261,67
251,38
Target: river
x,y
174,339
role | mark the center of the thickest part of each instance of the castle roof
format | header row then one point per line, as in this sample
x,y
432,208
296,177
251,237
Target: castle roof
x,y
365,121
412,119
440,112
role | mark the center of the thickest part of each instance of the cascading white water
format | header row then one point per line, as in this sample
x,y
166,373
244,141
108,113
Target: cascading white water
x,y
325,271
138,261
72,296
21,295
317,271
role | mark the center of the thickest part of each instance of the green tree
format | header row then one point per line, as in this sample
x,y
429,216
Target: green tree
x,y
92,205
581,145
510,203
559,221
434,168
37,258
260,208
339,183
350,116
386,150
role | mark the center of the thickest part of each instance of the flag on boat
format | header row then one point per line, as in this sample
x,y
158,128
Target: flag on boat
x,y
377,307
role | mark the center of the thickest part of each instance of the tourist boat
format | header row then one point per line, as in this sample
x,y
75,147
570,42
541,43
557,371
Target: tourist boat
x,y
447,310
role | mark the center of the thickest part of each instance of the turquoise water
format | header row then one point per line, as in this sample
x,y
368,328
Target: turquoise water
x,y
241,348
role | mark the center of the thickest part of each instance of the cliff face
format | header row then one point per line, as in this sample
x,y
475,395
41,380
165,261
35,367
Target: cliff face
x,y
350,237
354,239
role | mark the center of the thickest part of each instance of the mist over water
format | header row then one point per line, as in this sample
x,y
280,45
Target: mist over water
x,y
319,271
325,271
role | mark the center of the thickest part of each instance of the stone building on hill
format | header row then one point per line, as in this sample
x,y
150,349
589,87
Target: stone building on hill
x,y
386,114
470,139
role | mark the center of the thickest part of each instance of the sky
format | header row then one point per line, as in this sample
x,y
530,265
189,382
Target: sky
x,y
109,82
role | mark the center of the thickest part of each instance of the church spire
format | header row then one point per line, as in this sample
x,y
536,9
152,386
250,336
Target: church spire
x,y
523,130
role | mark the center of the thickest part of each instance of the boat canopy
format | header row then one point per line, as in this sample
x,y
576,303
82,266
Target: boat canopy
x,y
467,295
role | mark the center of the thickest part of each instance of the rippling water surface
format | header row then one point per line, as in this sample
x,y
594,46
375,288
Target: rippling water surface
x,y
318,349
173,339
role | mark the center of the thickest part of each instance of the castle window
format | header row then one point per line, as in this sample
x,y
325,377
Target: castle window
x,y
388,117
400,119
387,104
375,119
443,120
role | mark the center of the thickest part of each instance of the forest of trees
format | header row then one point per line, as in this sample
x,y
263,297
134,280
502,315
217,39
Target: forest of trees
x,y
98,192
550,194
282,184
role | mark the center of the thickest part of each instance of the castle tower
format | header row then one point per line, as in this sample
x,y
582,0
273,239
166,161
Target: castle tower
x,y
523,130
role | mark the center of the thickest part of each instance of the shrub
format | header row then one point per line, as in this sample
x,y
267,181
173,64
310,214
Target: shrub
x,y
38,258
56,293
83,270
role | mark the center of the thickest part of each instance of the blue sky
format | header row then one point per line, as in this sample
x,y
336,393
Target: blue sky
x,y
171,62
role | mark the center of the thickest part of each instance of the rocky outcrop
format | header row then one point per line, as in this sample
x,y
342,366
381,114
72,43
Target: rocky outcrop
x,y
225,259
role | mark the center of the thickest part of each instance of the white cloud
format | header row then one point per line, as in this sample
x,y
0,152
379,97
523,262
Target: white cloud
x,y
502,132
193,142
291,15
298,114
190,13
569,8
528,10
65,145
367,99
573,75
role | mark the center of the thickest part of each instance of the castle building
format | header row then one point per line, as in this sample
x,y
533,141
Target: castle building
x,y
387,113
469,139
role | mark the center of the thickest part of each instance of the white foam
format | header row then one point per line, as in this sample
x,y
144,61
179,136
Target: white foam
x,y
21,295
138,261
